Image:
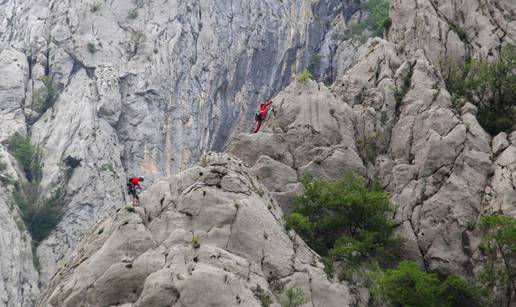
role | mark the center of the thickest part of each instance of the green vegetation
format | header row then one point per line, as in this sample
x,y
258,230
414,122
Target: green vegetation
x,y
91,48
349,224
137,39
95,6
369,146
39,215
28,155
292,297
408,285
461,33
491,86
499,247
44,97
345,220
196,241
400,93
305,76
262,295
132,14
374,24
108,167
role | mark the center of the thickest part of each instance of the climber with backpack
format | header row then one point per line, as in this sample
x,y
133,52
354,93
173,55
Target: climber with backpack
x,y
261,116
133,188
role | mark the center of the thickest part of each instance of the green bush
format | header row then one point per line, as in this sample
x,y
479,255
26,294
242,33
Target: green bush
x,y
408,285
461,33
28,155
456,291
91,48
196,241
45,97
345,219
305,76
377,21
40,217
401,92
499,247
259,293
489,85
292,297
369,146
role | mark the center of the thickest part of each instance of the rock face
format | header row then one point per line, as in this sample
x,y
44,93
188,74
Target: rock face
x,y
143,87
18,275
148,87
148,257
308,131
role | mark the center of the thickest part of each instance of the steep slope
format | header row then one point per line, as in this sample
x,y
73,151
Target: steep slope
x,y
209,236
162,83
143,88
18,276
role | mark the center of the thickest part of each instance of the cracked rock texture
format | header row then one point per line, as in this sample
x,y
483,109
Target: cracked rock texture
x,y
308,131
148,87
144,87
147,258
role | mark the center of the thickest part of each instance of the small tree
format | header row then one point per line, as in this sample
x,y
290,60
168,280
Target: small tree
x,y
407,285
305,76
28,155
292,297
499,247
345,219
375,23
491,85
45,96
91,48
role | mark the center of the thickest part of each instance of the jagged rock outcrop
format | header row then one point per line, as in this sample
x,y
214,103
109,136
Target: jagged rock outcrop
x,y
148,87
18,275
146,257
143,87
434,160
309,131
451,28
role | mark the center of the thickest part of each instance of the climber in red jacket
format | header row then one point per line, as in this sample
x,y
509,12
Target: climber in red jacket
x,y
133,187
260,117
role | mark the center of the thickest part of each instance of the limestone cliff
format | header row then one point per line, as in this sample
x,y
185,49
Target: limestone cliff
x,y
148,87
143,87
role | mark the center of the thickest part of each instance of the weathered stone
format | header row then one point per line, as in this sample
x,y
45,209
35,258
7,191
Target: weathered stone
x,y
499,143
128,259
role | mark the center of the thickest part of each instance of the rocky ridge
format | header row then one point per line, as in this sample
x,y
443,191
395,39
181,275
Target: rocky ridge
x,y
143,88
211,235
442,169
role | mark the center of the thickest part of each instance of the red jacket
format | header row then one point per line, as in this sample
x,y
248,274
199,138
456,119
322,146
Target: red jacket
x,y
135,182
263,110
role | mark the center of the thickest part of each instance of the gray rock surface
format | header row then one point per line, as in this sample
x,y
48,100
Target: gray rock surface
x,y
434,161
147,258
18,274
308,131
148,87
144,87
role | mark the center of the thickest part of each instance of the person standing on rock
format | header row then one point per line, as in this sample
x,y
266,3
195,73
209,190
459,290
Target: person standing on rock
x,y
260,117
134,188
